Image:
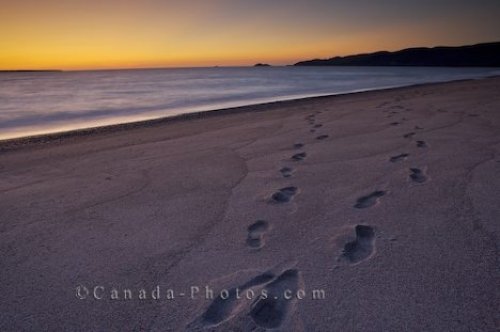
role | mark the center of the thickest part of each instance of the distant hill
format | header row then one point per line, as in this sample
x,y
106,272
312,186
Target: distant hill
x,y
480,55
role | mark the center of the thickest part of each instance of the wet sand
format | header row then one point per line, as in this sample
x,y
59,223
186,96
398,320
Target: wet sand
x,y
385,201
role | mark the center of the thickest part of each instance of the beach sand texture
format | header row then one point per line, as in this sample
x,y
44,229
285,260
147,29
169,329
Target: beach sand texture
x,y
388,201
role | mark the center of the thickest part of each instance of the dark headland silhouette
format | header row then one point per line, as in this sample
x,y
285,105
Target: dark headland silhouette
x,y
479,55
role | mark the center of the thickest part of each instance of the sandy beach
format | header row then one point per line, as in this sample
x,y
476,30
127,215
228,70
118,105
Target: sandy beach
x,y
377,211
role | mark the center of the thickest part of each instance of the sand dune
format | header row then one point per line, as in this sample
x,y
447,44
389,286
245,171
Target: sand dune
x,y
384,202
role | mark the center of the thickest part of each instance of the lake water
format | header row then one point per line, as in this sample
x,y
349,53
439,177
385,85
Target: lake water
x,y
36,103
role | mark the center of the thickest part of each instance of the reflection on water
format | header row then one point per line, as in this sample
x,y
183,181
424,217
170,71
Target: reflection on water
x,y
34,103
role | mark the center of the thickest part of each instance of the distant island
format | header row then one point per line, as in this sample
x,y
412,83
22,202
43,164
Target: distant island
x,y
479,55
262,65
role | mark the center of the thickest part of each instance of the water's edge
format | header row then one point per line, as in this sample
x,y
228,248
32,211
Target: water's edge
x,y
31,140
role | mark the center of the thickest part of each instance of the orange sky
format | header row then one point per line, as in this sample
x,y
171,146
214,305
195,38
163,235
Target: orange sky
x,y
78,34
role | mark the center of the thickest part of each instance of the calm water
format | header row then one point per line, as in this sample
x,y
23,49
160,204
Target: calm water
x,y
35,103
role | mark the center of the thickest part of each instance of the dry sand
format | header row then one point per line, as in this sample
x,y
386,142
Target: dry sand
x,y
388,201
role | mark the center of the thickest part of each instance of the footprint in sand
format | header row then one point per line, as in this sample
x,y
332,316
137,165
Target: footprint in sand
x,y
298,145
312,130
369,200
270,312
399,157
286,172
319,125
362,247
421,144
311,119
222,309
409,135
417,175
418,128
299,156
322,137
284,195
256,231
395,123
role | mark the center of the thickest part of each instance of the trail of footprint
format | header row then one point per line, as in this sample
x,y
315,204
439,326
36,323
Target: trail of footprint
x,y
417,175
362,247
299,156
221,309
322,137
369,200
284,195
256,231
272,311
421,144
286,172
399,157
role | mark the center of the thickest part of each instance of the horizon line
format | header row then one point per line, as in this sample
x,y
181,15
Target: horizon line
x,y
26,70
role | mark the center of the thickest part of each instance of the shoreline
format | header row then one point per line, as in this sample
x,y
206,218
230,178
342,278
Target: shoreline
x,y
385,201
33,140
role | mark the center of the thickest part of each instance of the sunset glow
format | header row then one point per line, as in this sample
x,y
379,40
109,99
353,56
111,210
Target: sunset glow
x,y
78,34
